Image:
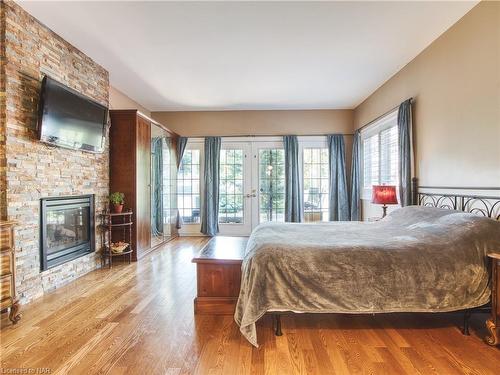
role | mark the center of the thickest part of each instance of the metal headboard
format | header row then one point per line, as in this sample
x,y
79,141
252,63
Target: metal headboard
x,y
481,205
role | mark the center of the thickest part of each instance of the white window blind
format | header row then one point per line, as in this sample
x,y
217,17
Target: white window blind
x,y
380,153
389,156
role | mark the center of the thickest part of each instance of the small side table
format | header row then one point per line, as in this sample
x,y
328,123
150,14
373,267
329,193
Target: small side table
x,y
116,228
493,324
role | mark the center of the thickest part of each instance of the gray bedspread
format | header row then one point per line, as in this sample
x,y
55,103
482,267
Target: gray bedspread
x,y
417,259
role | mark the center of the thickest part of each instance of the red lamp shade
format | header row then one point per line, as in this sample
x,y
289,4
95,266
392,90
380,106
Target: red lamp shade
x,y
384,194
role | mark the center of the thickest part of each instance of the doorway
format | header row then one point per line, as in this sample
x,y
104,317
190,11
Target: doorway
x,y
252,185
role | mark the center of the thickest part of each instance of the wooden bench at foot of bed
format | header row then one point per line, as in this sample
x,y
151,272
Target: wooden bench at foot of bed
x,y
218,274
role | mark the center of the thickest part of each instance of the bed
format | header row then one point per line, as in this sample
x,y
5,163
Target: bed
x,y
417,259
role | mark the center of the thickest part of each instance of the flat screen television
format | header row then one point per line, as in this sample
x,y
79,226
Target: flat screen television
x,y
70,120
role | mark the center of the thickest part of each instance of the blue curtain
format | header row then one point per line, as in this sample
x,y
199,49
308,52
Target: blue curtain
x,y
157,186
339,199
356,177
293,190
181,146
210,209
405,152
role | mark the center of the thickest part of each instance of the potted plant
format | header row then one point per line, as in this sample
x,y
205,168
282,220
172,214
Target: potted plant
x,y
116,199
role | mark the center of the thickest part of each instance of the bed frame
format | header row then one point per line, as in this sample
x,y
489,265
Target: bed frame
x,y
461,199
482,205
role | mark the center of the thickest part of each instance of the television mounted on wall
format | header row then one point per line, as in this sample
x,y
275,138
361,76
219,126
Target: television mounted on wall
x,y
69,119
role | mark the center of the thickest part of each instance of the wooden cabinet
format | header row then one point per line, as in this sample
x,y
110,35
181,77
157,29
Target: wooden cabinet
x,y
130,170
8,298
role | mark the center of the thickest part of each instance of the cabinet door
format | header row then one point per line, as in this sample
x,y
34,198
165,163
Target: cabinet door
x,y
143,184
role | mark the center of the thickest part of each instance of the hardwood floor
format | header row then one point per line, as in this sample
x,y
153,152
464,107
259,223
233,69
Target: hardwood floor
x,y
139,319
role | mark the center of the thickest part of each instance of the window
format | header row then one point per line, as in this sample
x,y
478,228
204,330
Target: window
x,y
231,186
271,185
188,186
380,153
316,184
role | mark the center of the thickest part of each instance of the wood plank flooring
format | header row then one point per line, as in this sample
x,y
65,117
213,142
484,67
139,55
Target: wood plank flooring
x,y
139,319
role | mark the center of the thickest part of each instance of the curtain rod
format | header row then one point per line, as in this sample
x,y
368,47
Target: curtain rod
x,y
267,135
382,115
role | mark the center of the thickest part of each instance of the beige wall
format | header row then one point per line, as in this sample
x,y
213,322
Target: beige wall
x,y
226,123
119,100
456,86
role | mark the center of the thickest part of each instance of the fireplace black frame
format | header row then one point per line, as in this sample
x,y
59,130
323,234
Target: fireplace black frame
x,y
72,252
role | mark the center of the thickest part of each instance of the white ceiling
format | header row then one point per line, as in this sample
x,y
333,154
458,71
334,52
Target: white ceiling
x,y
243,55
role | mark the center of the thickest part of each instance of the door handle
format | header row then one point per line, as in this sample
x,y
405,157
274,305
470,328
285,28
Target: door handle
x,y
253,195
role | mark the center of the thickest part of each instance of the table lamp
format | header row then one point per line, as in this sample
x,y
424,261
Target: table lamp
x,y
384,194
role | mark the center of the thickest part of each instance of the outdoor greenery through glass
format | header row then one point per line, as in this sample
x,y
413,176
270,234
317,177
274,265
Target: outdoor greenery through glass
x,y
271,185
231,195
316,180
188,187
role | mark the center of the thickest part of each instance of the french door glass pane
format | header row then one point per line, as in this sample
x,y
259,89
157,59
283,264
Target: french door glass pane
x,y
271,185
315,184
231,187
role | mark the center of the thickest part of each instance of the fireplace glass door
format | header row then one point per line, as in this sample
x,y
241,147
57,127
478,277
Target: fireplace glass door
x,y
67,229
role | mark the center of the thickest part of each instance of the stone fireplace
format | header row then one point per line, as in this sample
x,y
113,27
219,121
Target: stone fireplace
x,y
31,171
66,229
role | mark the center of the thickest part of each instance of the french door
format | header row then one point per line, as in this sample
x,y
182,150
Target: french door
x,y
252,185
235,204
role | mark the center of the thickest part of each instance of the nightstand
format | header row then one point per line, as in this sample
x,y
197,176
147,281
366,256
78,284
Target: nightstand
x,y
493,324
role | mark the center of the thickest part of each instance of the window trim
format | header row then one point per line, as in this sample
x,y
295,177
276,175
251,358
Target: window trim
x,y
385,122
